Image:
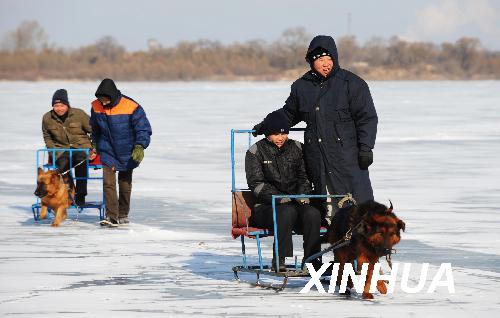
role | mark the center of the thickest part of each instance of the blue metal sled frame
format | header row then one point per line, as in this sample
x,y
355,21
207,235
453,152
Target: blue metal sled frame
x,y
261,269
100,205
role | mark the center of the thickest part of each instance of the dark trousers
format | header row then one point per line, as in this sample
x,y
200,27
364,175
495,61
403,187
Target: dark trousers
x,y
117,206
80,172
304,219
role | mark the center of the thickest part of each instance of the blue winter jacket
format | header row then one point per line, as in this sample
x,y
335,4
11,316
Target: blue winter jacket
x,y
117,129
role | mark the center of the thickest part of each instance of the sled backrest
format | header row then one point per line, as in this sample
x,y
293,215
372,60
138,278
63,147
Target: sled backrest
x,y
243,202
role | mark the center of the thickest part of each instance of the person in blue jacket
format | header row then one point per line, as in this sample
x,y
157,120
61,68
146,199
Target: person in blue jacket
x,y
120,131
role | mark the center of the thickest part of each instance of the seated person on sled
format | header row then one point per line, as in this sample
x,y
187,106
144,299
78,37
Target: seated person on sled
x,y
67,127
275,166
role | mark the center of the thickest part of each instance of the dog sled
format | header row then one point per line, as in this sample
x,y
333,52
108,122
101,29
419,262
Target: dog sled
x,y
45,160
242,203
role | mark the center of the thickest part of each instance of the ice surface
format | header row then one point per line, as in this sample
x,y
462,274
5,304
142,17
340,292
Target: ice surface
x,y
436,158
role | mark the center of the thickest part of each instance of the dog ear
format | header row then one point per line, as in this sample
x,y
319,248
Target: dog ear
x,y
39,171
389,210
401,225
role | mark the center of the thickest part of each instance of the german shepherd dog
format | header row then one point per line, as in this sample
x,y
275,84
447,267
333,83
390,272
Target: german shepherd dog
x,y
53,191
375,230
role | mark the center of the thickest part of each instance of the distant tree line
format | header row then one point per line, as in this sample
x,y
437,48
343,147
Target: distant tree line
x,y
25,54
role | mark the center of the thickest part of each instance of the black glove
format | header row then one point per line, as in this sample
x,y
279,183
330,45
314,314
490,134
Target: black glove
x,y
365,159
257,129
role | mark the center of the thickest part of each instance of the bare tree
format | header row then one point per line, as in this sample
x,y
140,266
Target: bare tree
x,y
375,51
379,58
466,51
29,35
109,48
289,51
349,51
295,38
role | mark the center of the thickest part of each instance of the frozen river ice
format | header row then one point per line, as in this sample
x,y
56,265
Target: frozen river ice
x,y
436,158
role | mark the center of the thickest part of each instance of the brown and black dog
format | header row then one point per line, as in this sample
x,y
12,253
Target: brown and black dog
x,y
53,192
375,230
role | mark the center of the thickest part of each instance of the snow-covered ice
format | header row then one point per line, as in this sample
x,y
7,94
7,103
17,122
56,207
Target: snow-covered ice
x,y
436,158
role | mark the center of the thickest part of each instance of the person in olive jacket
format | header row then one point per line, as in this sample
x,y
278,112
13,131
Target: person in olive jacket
x,y
273,166
68,127
341,123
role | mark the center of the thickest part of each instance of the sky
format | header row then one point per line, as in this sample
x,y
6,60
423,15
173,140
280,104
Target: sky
x,y
132,23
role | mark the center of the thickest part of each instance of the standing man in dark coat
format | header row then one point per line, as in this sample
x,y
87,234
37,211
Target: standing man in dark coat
x,y
341,123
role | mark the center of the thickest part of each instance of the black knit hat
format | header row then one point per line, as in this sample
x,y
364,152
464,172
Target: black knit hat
x,y
60,96
274,123
317,53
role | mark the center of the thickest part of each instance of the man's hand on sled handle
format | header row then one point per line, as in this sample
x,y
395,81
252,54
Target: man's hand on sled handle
x,y
93,150
92,154
257,129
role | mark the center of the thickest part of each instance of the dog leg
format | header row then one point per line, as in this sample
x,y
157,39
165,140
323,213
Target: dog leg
x,y
366,292
341,258
59,215
43,213
341,267
382,288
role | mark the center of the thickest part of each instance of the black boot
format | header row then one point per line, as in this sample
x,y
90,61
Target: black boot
x,y
282,266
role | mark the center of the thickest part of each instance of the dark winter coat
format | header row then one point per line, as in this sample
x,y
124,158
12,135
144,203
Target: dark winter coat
x,y
341,120
272,170
118,128
72,133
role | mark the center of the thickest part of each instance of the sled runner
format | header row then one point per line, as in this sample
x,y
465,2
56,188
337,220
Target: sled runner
x,y
242,203
95,164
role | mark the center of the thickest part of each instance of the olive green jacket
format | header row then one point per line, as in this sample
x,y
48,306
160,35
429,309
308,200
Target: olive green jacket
x,y
73,133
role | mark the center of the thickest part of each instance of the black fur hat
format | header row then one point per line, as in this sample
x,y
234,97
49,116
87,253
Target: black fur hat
x,y
317,53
